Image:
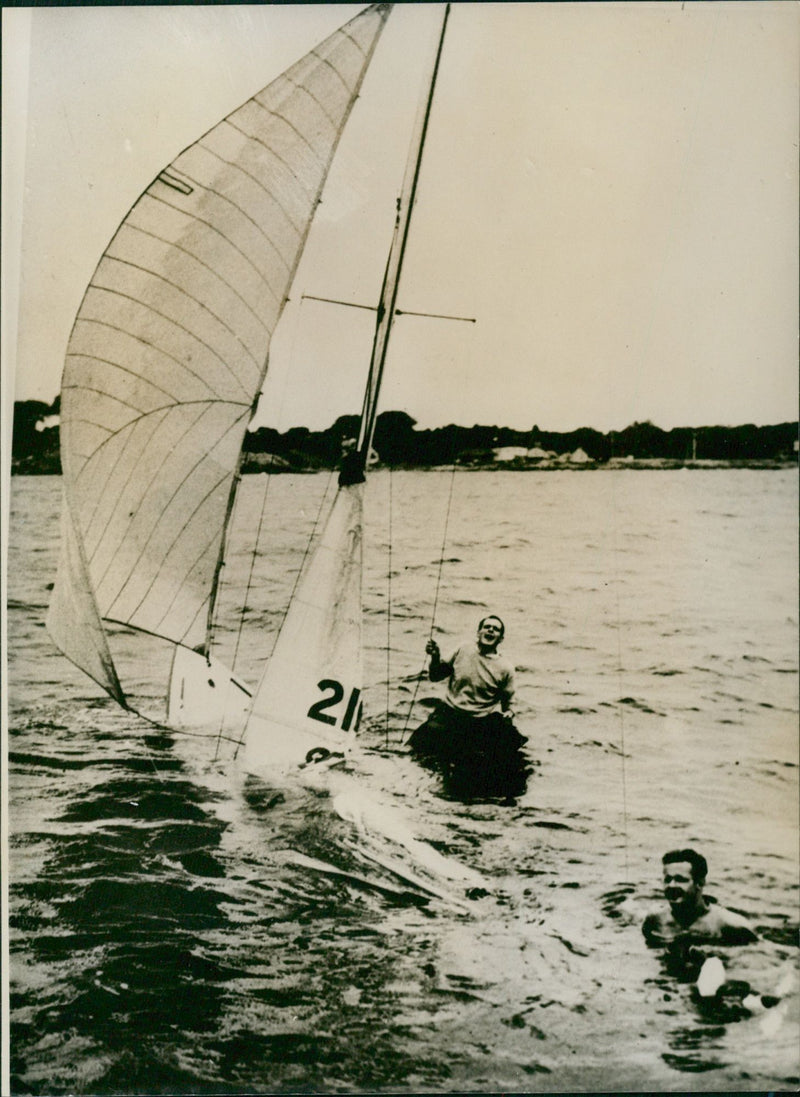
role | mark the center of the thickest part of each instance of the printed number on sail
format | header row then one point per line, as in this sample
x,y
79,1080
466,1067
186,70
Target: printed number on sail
x,y
334,695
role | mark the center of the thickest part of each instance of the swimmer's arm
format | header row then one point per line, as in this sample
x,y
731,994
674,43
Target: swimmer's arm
x,y
653,930
727,926
737,934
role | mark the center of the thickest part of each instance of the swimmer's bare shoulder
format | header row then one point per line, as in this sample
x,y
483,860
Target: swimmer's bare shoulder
x,y
716,924
721,924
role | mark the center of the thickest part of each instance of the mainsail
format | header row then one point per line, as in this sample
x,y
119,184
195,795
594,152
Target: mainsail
x,y
308,704
168,354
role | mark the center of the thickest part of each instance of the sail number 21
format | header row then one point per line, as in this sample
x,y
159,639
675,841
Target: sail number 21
x,y
333,696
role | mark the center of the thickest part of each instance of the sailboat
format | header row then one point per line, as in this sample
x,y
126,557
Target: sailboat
x,y
163,372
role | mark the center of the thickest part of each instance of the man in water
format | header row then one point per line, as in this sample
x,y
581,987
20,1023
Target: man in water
x,y
692,916
474,722
693,921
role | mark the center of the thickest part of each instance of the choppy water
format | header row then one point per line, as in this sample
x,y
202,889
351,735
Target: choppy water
x,y
172,931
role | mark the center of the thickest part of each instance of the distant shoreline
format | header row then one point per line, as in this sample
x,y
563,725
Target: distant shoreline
x,y
27,468
398,444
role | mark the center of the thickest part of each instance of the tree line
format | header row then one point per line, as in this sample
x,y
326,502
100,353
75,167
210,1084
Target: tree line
x,y
398,442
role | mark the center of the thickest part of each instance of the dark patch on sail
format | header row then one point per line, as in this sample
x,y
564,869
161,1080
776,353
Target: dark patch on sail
x,y
174,182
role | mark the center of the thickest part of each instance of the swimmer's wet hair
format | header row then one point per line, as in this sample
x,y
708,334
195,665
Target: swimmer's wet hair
x,y
696,860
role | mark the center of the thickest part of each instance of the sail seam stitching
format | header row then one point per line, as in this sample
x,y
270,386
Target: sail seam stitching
x,y
266,190
146,342
91,423
144,491
273,153
210,402
214,273
224,198
133,424
111,396
125,369
199,557
190,297
156,423
169,320
345,33
334,70
202,221
313,98
293,128
182,530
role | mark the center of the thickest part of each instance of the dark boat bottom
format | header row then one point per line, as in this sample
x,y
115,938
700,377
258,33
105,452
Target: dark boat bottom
x,y
477,758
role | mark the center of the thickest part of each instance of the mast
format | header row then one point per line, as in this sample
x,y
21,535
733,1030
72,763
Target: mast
x,y
356,463
308,703
384,10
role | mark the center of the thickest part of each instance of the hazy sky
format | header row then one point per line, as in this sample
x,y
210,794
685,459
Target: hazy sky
x,y
609,189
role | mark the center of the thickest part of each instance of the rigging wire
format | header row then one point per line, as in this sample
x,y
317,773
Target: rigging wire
x,y
253,556
291,319
389,614
246,599
647,343
444,543
307,552
620,706
421,676
152,761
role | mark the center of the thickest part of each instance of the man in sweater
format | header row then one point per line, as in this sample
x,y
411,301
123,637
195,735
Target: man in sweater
x,y
474,722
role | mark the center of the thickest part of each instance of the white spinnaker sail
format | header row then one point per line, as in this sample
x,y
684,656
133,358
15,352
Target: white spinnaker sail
x,y
169,350
310,694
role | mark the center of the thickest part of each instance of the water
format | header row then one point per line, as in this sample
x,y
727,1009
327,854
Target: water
x,y
177,929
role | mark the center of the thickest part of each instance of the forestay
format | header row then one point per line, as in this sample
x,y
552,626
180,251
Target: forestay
x,y
168,354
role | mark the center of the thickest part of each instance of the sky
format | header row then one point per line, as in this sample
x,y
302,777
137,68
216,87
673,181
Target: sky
x,y
609,190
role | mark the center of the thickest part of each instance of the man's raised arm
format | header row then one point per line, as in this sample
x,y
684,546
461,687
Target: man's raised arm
x,y
438,670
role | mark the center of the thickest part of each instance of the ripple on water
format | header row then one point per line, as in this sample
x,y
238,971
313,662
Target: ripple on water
x,y
173,930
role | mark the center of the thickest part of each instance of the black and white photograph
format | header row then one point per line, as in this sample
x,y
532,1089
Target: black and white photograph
x,y
400,548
